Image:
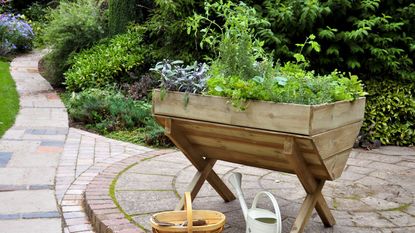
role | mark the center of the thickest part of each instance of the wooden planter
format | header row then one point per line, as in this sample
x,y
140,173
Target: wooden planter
x,y
311,141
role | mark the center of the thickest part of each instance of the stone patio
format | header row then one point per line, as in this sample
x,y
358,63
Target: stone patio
x,y
375,193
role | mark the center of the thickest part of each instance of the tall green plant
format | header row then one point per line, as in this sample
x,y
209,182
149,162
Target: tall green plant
x,y
166,29
73,26
235,45
120,14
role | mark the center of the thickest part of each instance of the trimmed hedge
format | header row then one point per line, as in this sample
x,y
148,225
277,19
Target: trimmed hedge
x,y
390,113
105,63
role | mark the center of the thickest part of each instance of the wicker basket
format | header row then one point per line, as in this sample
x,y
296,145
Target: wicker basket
x,y
215,220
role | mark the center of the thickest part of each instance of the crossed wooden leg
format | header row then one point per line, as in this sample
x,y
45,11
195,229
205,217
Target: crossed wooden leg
x,y
204,166
312,186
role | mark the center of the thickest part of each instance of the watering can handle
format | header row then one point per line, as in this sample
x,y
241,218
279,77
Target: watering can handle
x,y
188,209
274,203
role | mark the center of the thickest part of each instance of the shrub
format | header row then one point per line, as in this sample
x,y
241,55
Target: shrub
x,y
106,62
24,4
106,110
15,33
141,89
120,14
371,38
37,15
109,111
166,30
73,26
390,113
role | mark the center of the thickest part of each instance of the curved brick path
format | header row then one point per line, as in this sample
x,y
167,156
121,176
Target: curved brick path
x,y
375,193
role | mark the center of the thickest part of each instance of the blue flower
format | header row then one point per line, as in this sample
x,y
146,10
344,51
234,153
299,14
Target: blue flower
x,y
15,33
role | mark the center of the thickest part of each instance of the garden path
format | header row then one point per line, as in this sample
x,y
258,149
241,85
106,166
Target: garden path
x,y
43,161
29,153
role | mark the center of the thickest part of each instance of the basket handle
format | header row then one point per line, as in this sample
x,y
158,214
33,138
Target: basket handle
x,y
188,208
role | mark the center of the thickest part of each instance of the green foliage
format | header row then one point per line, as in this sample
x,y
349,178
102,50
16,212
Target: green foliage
x,y
371,37
287,84
72,26
390,113
9,99
121,13
166,31
110,112
106,62
242,70
236,45
37,15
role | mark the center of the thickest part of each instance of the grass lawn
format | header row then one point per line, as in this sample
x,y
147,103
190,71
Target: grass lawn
x,y
9,99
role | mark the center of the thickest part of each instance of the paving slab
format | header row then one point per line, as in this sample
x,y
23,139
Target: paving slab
x,y
34,160
27,202
31,225
27,176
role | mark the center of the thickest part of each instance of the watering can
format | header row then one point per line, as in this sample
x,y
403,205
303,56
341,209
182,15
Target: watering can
x,y
257,220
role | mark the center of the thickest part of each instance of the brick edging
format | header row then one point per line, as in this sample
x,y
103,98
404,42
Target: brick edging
x,y
101,210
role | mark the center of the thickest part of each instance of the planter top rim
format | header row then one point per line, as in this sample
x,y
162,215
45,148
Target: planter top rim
x,y
262,101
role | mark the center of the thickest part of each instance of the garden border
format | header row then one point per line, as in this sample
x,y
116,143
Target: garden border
x,y
104,214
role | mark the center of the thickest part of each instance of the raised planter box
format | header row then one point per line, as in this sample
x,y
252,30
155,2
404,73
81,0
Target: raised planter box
x,y
324,133
311,141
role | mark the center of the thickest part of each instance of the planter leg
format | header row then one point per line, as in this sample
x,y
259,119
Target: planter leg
x,y
197,182
311,185
204,166
305,211
324,212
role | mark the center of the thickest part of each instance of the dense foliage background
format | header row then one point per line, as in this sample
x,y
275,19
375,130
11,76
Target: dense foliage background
x,y
373,39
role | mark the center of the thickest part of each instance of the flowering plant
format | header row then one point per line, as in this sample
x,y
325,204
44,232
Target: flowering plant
x,y
15,33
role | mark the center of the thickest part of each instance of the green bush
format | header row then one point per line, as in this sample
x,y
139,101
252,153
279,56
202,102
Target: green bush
x,y
72,26
106,110
166,31
120,14
37,15
110,112
390,113
371,38
103,64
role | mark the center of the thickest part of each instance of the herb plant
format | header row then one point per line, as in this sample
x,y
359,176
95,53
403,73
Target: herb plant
x,y
177,77
243,71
